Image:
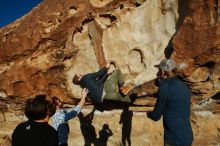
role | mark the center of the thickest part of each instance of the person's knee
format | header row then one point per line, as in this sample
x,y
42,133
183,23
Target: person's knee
x,y
117,70
118,73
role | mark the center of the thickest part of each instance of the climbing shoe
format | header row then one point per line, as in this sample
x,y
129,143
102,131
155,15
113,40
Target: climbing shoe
x,y
125,90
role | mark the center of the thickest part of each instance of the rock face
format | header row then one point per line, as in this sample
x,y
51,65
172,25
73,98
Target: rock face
x,y
197,44
41,52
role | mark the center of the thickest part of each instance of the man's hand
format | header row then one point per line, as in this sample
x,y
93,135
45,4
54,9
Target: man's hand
x,y
107,65
110,70
83,99
84,92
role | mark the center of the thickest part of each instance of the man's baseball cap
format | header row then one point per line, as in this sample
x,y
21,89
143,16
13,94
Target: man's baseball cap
x,y
166,65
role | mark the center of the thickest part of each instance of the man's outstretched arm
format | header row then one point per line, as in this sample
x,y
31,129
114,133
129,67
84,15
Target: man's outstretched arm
x,y
102,73
75,111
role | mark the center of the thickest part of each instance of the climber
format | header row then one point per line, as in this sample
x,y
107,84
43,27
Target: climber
x,y
106,84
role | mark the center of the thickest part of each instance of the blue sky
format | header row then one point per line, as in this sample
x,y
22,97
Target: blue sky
x,y
10,10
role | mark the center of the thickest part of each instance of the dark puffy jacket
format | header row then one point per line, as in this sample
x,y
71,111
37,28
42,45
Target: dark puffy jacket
x,y
174,104
94,82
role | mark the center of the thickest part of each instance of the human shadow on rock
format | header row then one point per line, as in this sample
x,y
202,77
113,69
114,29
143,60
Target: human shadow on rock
x,y
87,129
126,121
104,134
